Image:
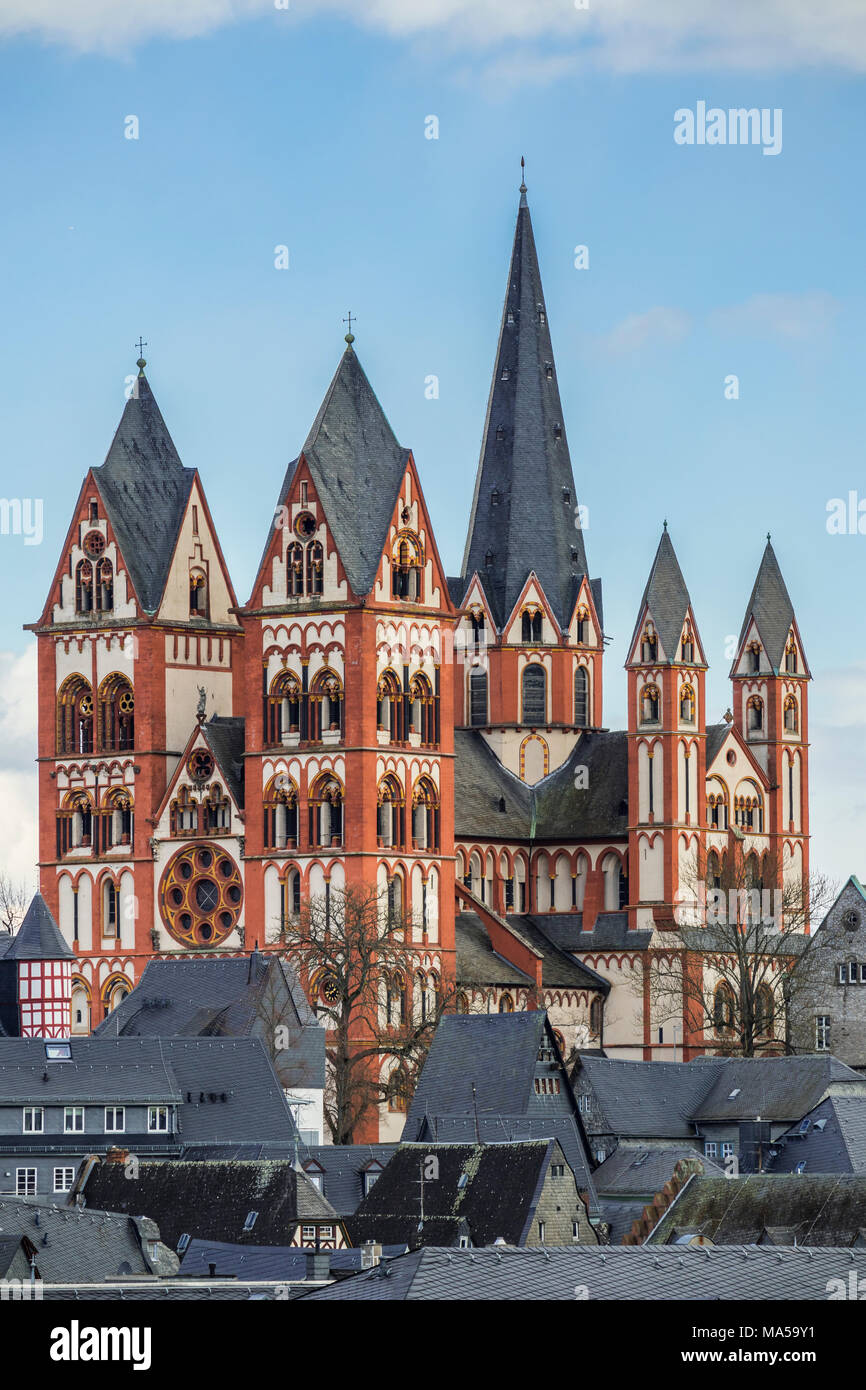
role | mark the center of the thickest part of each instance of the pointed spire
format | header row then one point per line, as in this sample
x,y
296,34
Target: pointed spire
x,y
666,597
145,489
357,467
771,608
39,937
525,505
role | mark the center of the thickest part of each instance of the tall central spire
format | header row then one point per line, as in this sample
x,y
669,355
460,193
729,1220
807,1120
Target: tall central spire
x,y
524,508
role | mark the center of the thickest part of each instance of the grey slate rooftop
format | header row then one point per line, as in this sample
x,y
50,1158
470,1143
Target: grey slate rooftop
x,y
261,1262
84,1245
667,598
816,1210
38,937
225,735
771,607
523,510
776,1088
145,489
343,1168
499,1129
621,1273
833,1142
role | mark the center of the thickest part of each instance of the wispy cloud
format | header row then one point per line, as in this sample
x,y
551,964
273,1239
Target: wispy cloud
x,y
661,326
620,35
792,318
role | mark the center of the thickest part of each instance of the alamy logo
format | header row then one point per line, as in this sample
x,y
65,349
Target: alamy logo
x,y
77,1343
737,126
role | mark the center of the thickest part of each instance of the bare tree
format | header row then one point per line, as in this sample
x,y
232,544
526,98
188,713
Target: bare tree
x,y
357,961
13,902
728,968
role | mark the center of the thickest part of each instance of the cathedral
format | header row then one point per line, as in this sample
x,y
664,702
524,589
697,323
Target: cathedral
x,y
364,719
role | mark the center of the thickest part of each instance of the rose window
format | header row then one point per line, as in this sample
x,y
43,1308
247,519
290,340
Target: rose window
x,y
200,896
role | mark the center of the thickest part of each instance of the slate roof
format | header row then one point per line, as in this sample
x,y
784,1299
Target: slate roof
x,y
652,1100
213,1200
259,1262
497,1129
344,1166
357,467
478,963
174,1291
492,803
611,929
776,1088
501,1185
643,1169
188,1071
225,735
229,997
716,735
620,1273
6,939
769,1208
145,489
74,1244
531,526
834,1143
494,1052
667,598
771,607
38,937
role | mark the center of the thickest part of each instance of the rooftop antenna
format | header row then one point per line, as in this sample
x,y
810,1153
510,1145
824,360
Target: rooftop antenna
x,y
475,1108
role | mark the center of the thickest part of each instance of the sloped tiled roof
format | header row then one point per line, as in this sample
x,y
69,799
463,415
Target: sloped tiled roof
x,y
643,1169
38,937
653,1100
667,598
344,1166
769,1208
83,1245
255,1262
835,1141
776,1088
771,607
498,1129
225,734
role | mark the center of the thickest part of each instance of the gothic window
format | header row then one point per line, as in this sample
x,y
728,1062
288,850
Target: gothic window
x,y
84,587
399,1090
390,813
749,814
425,815
717,808
395,998
326,812
326,705
283,712
650,703
118,819
531,626
534,686
389,707
201,895
116,704
110,908
315,568
506,1004
281,813
216,809
395,899
104,585
723,1008
714,870
198,596
687,704
183,813
753,654
461,1003
295,569
75,716
596,1015
422,708
613,883
75,824
754,714
688,644
791,657
763,1021
406,567
791,714
582,626
649,644
581,697
476,618
478,698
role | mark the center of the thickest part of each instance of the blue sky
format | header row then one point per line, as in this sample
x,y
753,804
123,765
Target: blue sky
x,y
299,127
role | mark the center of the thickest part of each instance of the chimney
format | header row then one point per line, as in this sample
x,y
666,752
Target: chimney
x,y
371,1254
211,1269
318,1264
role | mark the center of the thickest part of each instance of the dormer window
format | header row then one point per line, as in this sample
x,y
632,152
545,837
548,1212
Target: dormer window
x,y
505,374
494,497
649,645
509,318
557,431
566,496
542,317
548,370
500,433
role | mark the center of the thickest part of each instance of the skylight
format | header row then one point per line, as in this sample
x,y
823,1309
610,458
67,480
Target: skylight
x,y
58,1052
735,1092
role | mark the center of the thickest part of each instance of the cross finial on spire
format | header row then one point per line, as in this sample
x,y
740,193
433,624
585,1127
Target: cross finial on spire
x,y
768,538
665,523
522,174
350,337
141,364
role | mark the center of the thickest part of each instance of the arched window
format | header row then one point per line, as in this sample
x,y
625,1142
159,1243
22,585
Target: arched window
x,y
754,714
407,563
395,998
395,900
389,707
534,687
582,626
753,657
295,569
461,1003
649,644
315,568
714,870
183,813
422,708
478,698
723,1008
792,714
216,809
531,625
581,697
117,816
326,705
399,1090
326,811
791,665
281,813
75,824
506,1004
75,716
763,1021
749,813
110,908
84,587
650,704
688,644
596,1016
717,807
479,635
116,705
687,704
104,585
198,595
390,813
613,883
283,708
425,815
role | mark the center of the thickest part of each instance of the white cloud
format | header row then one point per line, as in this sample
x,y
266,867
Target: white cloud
x,y
654,328
17,765
620,35
792,318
